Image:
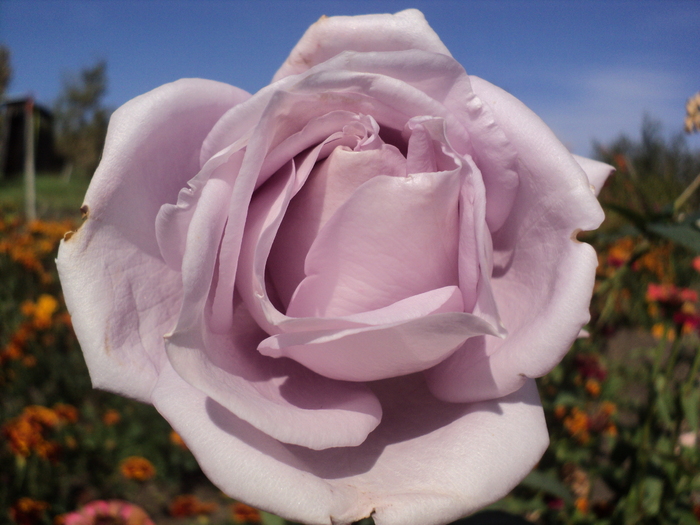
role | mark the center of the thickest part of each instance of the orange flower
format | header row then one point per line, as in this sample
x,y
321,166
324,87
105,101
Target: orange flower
x,y
608,408
67,413
111,417
187,505
175,439
46,305
581,505
138,468
243,513
620,252
27,433
592,387
577,423
610,429
27,511
559,411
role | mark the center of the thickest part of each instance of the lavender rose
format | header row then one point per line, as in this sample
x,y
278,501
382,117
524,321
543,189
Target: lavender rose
x,y
339,289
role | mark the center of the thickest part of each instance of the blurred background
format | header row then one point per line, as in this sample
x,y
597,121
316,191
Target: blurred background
x,y
615,80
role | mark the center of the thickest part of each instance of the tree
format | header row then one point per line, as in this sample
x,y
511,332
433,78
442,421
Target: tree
x,y
5,78
81,119
5,69
651,172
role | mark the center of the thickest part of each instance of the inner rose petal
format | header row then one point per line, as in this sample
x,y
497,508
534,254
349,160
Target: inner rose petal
x,y
330,184
393,238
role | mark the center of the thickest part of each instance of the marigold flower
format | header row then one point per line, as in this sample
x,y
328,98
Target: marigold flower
x,y
111,417
27,308
592,387
610,430
620,252
43,415
46,305
608,408
660,331
67,413
27,511
27,433
112,512
581,505
559,411
175,439
653,310
243,513
577,424
186,505
138,468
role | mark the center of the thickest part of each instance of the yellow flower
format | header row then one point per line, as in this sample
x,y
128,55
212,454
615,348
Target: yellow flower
x,y
45,308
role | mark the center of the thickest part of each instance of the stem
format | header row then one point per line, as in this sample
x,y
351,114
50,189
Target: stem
x,y
687,193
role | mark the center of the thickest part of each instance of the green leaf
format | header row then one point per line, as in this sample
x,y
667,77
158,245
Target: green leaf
x,y
664,407
685,233
548,483
637,219
691,408
652,490
271,519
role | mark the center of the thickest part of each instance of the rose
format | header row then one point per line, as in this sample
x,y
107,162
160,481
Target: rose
x,y
337,290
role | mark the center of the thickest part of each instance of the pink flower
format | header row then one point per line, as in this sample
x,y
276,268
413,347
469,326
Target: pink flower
x,y
339,289
115,512
696,263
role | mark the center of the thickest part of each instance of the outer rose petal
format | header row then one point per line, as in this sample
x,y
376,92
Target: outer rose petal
x,y
329,36
122,296
542,277
428,462
596,171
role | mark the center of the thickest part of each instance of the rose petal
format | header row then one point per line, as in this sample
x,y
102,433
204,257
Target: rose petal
x,y
395,237
596,171
121,295
329,36
330,184
265,214
239,458
117,312
383,351
468,456
543,277
279,397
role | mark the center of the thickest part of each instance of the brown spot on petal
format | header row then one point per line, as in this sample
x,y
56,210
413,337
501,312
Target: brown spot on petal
x,y
85,211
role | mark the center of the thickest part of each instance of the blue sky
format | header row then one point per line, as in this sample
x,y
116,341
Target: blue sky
x,y
590,69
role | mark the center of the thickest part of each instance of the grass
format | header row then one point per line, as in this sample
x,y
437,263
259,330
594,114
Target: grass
x,y
55,196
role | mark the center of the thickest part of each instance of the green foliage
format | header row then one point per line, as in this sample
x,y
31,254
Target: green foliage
x,y
56,196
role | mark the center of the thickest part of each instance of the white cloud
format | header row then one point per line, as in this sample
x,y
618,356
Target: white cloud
x,y
601,104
